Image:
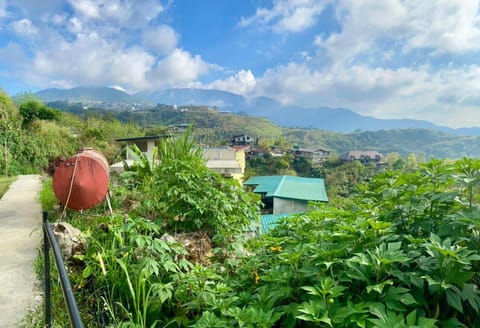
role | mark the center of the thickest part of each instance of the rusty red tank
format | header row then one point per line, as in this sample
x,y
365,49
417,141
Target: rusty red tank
x,y
81,182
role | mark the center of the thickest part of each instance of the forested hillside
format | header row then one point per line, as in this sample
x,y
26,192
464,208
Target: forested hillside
x,y
216,127
33,134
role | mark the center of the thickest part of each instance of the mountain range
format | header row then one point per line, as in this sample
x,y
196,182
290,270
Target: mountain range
x,y
324,118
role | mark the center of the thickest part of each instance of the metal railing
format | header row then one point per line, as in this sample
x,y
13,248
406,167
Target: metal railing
x,y
69,298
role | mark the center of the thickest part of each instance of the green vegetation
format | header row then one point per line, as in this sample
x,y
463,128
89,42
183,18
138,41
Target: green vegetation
x,y
404,253
216,128
5,183
135,261
34,110
182,195
397,248
35,135
48,200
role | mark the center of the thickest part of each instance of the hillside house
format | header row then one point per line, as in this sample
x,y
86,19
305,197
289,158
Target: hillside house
x,y
178,128
287,194
243,140
257,152
145,144
364,156
316,155
227,161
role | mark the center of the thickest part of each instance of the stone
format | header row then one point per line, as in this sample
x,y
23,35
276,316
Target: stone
x,y
69,239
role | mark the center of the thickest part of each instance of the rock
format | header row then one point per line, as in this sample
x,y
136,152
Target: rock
x,y
69,239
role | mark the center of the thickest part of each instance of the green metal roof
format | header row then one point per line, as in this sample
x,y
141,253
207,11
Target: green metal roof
x,y
285,186
264,184
269,221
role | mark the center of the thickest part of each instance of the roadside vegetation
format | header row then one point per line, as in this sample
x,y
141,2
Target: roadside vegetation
x,y
33,134
5,183
394,248
403,253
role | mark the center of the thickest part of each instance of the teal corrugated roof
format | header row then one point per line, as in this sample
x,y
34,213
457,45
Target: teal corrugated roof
x,y
285,186
264,184
268,221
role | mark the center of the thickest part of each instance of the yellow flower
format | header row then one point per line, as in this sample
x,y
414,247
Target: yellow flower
x,y
256,278
275,248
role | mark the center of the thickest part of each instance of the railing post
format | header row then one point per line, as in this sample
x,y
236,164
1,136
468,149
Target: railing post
x,y
68,297
46,254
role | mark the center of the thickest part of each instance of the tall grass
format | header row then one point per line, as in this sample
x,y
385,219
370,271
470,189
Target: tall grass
x,y
5,183
47,196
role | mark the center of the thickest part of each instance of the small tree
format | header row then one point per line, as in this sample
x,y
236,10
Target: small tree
x,y
33,110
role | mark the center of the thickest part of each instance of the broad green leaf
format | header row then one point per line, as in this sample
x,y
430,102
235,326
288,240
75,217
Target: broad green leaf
x,y
454,300
379,287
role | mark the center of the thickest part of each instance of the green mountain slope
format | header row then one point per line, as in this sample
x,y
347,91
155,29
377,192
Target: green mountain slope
x,y
215,127
87,94
404,141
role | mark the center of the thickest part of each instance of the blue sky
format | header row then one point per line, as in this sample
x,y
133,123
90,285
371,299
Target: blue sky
x,y
386,58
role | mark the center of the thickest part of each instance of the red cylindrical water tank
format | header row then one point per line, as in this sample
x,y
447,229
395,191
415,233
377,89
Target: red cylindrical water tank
x,y
81,182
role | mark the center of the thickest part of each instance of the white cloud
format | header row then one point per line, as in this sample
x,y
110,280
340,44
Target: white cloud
x,y
177,69
161,39
363,22
118,87
97,43
58,19
3,8
450,26
86,8
24,27
287,15
91,60
421,93
131,12
142,12
440,26
243,83
74,25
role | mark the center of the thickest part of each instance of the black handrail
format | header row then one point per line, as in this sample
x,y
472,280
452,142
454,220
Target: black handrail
x,y
73,313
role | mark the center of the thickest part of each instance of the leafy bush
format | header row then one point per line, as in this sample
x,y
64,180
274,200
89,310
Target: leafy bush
x,y
182,195
34,110
8,110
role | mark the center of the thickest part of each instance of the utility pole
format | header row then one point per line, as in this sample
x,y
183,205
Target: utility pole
x,y
6,158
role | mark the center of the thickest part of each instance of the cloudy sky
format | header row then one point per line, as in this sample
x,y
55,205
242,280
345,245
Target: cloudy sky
x,y
385,58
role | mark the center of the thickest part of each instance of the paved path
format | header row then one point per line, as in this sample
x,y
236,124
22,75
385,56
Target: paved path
x,y
20,237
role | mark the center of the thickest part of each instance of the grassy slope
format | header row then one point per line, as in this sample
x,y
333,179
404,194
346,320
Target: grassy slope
x,y
5,182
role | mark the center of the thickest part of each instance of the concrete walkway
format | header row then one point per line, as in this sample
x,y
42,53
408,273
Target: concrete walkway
x,y
20,238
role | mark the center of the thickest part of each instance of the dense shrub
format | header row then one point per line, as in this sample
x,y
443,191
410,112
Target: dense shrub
x,y
33,110
178,192
29,141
